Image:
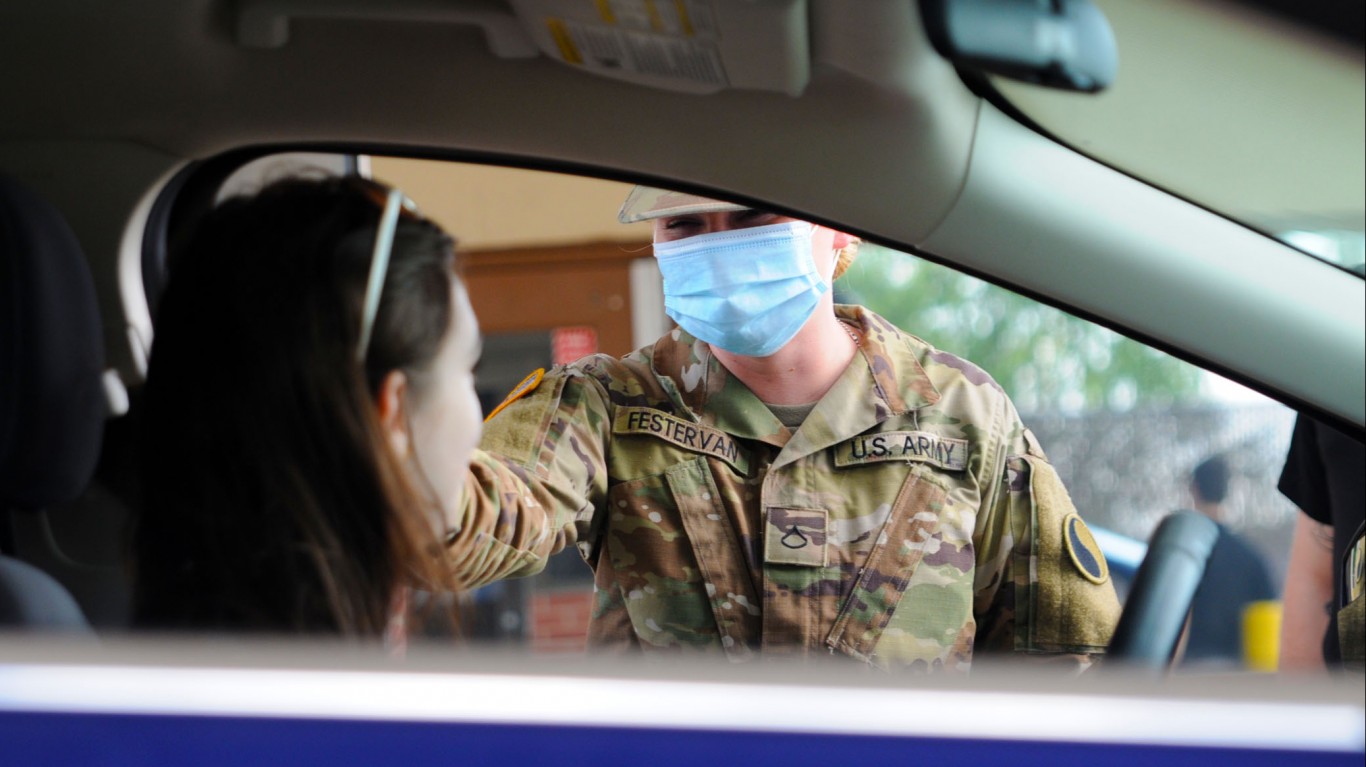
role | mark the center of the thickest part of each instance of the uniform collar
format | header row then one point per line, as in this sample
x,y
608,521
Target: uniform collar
x,y
884,380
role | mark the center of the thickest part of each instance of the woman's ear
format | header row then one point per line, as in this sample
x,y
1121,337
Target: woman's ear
x,y
842,240
391,401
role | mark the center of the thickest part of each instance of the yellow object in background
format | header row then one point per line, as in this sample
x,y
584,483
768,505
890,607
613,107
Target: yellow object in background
x,y
1262,635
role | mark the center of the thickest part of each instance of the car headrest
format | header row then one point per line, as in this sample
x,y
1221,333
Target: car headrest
x,y
52,402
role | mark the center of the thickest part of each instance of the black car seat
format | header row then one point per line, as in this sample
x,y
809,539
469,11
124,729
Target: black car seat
x,y
52,417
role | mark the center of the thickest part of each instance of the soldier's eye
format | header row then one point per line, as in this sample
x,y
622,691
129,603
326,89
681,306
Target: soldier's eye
x,y
742,219
681,222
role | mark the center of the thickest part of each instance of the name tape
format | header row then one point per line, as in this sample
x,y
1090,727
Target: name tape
x,y
918,446
684,434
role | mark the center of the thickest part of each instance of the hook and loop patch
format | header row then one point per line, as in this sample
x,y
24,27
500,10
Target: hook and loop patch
x,y
527,386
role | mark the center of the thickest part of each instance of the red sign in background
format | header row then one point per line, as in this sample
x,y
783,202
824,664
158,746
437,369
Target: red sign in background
x,y
570,343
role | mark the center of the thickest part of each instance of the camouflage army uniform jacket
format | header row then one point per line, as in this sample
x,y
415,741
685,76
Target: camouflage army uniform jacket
x,y
909,521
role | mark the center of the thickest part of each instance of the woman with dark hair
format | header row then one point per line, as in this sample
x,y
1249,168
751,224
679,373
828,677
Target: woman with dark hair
x,y
310,387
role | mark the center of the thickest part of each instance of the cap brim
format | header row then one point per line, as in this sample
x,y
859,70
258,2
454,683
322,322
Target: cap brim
x,y
646,202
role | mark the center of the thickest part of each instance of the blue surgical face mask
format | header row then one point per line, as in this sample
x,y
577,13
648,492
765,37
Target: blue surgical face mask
x,y
747,291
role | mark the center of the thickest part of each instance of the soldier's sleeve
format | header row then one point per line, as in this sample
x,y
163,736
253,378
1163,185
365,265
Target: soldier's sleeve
x,y
535,482
1045,586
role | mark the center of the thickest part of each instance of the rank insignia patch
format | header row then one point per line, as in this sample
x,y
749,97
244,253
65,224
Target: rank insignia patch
x,y
1084,551
796,537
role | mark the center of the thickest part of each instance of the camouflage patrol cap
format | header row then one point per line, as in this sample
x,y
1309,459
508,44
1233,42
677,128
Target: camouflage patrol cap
x,y
647,202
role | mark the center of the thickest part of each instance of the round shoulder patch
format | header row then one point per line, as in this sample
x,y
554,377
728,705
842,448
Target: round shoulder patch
x,y
527,386
1084,551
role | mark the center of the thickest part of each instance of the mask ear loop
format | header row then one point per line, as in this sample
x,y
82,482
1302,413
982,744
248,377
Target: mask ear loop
x,y
811,254
834,261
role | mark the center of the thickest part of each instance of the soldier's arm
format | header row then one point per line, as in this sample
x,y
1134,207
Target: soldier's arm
x,y
535,483
1308,593
1044,587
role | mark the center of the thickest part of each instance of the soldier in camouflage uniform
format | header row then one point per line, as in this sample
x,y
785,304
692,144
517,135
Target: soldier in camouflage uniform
x,y
906,518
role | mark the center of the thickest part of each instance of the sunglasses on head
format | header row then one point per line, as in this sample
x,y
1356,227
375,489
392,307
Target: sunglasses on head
x,y
393,204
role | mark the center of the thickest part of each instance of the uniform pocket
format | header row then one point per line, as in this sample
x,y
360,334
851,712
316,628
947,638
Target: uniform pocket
x,y
901,545
726,579
677,561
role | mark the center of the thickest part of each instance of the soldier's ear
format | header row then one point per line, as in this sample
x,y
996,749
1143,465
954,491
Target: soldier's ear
x,y
390,403
843,240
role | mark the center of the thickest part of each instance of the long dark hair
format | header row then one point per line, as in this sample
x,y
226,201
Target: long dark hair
x,y
272,500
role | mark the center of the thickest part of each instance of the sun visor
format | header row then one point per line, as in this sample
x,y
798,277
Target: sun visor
x,y
691,46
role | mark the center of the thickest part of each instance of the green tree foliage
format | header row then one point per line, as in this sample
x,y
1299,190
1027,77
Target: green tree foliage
x,y
1045,359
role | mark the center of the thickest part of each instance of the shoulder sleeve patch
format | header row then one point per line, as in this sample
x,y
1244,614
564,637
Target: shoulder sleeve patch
x,y
527,386
1072,605
524,419
1084,551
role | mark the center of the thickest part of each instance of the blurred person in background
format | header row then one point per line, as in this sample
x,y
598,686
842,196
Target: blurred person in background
x,y
1236,575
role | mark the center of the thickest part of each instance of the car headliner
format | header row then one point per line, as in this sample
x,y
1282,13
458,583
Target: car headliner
x,y
105,103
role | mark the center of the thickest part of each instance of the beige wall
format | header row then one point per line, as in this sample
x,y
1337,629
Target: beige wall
x,y
489,208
